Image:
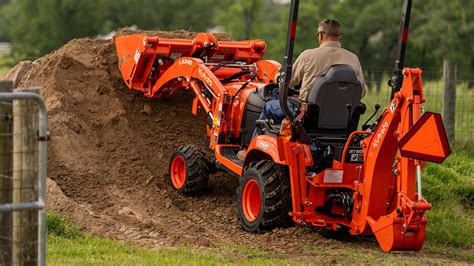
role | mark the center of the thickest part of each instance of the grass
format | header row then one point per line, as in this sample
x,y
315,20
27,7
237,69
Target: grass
x,y
67,245
449,187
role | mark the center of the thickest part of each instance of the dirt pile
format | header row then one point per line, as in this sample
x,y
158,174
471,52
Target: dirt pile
x,y
109,146
109,151
178,34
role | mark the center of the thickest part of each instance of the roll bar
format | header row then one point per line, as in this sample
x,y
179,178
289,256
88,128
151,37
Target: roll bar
x,y
285,74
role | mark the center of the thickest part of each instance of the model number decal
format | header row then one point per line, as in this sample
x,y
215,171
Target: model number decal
x,y
378,137
185,61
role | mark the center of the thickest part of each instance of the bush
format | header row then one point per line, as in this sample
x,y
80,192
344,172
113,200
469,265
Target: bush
x,y
55,225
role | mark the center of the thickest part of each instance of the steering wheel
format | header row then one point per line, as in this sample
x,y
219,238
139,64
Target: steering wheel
x,y
270,92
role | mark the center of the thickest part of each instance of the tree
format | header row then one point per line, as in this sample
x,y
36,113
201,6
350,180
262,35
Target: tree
x,y
242,18
444,30
38,27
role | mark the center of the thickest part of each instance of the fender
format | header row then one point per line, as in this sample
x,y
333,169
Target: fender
x,y
265,146
271,148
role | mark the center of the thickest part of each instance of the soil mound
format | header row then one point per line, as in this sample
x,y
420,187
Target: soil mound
x,y
178,34
109,151
109,146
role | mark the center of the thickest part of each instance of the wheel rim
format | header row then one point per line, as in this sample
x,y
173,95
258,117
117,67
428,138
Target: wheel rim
x,y
178,172
251,200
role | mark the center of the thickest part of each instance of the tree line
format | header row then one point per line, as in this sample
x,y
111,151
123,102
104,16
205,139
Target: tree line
x,y
439,30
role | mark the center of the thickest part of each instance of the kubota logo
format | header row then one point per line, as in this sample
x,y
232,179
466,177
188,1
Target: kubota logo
x,y
262,145
205,77
185,61
379,136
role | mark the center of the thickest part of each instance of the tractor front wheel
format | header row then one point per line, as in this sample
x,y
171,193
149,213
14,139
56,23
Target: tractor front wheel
x,y
188,170
263,197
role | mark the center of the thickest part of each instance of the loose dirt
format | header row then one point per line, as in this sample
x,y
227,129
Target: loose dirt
x,y
109,151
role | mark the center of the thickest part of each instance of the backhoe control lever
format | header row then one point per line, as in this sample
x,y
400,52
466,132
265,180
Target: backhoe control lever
x,y
365,126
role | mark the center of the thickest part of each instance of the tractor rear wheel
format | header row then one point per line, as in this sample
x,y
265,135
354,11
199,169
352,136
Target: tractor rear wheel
x,y
188,170
263,197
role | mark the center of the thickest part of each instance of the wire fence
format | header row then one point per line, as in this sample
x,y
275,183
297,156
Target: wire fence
x,y
433,90
22,179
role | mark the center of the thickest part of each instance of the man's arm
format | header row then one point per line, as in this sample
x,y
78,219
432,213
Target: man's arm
x,y
360,74
298,70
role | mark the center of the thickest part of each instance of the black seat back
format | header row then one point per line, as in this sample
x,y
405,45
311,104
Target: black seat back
x,y
328,102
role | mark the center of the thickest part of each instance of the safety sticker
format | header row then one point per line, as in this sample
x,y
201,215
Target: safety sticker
x,y
136,57
393,106
333,176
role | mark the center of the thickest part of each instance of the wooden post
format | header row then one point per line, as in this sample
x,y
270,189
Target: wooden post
x,y
449,104
25,183
5,174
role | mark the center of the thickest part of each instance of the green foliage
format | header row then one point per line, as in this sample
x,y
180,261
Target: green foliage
x,y
444,30
6,62
449,187
440,30
245,20
57,226
38,27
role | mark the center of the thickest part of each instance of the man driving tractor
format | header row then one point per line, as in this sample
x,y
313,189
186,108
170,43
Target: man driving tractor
x,y
310,65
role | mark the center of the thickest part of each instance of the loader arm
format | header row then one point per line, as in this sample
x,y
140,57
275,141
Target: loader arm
x,y
159,67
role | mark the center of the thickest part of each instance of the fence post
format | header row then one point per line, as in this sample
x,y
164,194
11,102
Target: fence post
x,y
449,104
5,174
25,156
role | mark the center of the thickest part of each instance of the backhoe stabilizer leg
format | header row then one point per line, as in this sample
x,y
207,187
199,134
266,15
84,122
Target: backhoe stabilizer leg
x,y
403,229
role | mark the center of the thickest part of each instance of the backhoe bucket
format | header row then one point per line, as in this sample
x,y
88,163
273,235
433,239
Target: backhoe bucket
x,y
404,228
390,234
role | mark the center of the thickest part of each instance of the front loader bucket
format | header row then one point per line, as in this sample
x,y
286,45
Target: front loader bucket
x,y
389,231
129,50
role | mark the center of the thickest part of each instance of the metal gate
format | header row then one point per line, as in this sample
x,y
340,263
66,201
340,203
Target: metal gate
x,y
23,158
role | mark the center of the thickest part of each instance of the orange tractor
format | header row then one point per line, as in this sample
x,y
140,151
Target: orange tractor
x,y
315,168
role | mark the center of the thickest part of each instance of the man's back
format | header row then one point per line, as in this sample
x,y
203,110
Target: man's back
x,y
316,62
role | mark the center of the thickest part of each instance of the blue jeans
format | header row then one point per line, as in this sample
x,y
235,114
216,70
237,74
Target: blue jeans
x,y
272,110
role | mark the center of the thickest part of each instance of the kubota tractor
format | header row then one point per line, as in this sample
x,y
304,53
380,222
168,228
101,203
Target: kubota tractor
x,y
315,168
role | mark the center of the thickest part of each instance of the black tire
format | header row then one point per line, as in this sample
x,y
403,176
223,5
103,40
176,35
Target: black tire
x,y
196,176
275,197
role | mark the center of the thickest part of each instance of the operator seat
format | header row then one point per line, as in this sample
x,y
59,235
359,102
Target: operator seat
x,y
334,106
